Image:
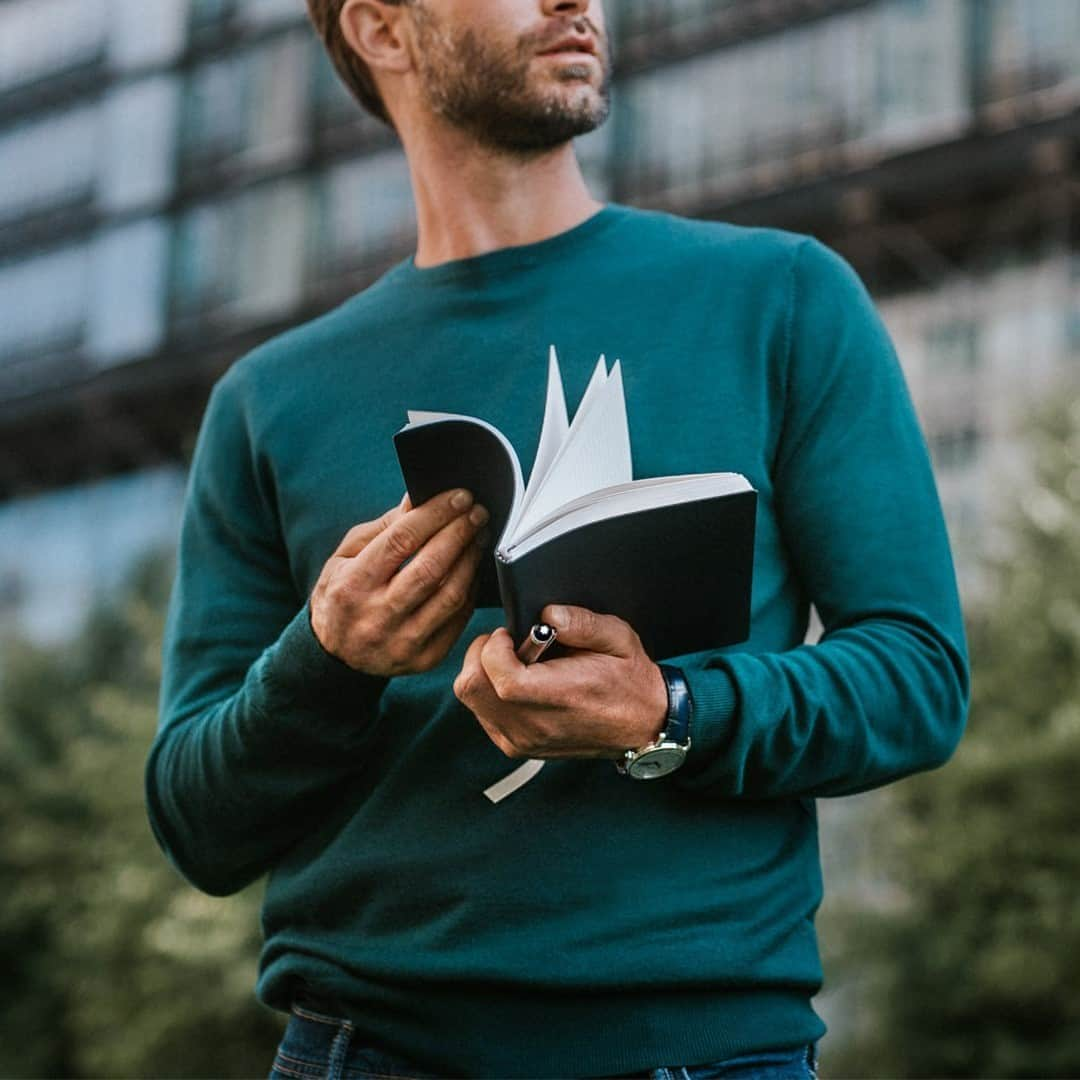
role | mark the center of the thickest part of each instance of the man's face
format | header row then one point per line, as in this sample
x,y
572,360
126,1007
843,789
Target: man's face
x,y
481,70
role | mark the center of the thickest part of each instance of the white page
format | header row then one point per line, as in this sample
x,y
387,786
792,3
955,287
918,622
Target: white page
x,y
426,416
553,433
594,454
596,382
627,498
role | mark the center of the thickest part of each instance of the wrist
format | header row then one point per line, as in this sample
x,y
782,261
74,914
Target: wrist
x,y
647,723
657,715
666,751
298,671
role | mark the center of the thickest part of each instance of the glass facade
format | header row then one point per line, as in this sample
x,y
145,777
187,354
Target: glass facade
x,y
236,258
920,86
137,166
45,305
882,77
30,182
265,117
143,35
362,206
126,293
248,109
194,168
638,17
43,38
1031,45
978,352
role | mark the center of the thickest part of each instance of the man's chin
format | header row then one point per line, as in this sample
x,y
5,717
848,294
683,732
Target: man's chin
x,y
533,139
574,102
533,123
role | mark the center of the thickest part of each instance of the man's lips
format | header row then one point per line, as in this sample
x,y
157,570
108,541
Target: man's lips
x,y
572,45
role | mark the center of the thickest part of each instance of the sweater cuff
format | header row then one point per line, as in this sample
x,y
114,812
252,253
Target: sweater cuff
x,y
297,673
715,702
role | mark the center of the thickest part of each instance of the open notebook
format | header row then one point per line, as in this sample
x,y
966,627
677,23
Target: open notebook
x,y
672,555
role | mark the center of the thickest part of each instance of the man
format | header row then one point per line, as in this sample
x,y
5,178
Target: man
x,y
333,706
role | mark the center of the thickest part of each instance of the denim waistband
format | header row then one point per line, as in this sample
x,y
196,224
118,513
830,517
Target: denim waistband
x,y
321,1041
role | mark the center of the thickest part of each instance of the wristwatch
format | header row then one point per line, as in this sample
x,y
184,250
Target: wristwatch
x,y
668,750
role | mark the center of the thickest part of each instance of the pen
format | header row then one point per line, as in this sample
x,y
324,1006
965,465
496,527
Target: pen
x,y
540,638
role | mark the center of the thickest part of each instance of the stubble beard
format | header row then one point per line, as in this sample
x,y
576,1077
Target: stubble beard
x,y
485,91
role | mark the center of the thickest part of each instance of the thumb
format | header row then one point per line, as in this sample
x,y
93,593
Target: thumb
x,y
581,628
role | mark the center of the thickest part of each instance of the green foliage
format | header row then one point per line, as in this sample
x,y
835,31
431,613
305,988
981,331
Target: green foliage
x,y
114,965
971,963
958,955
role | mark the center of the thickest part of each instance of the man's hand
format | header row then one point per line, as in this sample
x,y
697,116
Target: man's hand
x,y
387,619
603,699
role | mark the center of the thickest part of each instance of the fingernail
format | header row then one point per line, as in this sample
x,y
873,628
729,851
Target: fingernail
x,y
461,499
557,617
478,516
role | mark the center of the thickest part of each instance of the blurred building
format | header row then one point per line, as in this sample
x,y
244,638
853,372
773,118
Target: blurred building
x,y
183,178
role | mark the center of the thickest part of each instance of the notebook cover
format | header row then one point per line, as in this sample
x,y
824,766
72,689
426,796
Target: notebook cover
x,y
455,453
679,575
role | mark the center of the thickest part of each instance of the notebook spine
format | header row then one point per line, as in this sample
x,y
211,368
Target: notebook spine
x,y
510,596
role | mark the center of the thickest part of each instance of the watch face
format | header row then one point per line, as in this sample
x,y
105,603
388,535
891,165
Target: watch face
x,y
659,761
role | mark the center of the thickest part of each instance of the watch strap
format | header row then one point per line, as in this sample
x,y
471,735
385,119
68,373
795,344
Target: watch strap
x,y
680,705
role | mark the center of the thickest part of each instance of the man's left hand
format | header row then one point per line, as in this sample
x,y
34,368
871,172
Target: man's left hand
x,y
606,697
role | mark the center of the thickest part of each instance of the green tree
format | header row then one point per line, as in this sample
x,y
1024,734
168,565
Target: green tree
x,y
969,963
114,965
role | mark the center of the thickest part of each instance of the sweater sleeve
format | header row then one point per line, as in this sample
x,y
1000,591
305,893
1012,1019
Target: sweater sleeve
x,y
884,693
258,724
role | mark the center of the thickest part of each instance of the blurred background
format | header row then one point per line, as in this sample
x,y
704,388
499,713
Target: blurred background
x,y
180,179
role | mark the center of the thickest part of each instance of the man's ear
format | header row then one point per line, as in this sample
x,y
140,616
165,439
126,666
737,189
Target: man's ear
x,y
378,32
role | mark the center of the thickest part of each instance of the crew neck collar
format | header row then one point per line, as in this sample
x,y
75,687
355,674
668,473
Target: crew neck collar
x,y
516,256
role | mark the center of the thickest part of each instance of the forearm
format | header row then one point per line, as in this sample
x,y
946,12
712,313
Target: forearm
x,y
261,719
233,781
860,533
873,701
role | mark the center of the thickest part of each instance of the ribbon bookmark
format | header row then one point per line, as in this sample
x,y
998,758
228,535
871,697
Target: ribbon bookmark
x,y
541,638
518,778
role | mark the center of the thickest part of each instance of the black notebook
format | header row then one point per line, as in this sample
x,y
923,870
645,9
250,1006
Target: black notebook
x,y
672,555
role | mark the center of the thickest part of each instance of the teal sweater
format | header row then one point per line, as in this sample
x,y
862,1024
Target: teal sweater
x,y
588,924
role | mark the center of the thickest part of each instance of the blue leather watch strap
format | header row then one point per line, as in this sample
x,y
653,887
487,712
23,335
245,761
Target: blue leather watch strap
x,y
680,704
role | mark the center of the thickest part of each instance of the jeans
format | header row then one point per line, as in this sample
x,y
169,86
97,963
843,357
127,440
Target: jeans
x,y
317,1046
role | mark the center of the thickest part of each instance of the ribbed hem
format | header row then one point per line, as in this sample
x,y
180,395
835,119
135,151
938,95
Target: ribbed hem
x,y
514,1031
296,672
715,700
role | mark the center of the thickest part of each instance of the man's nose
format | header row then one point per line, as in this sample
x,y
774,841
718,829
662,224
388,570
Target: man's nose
x,y
566,7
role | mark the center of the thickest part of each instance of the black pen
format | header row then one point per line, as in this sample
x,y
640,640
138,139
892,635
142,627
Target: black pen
x,y
540,639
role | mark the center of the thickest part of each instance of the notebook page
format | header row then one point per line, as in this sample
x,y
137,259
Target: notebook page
x,y
594,454
596,382
628,498
426,416
553,433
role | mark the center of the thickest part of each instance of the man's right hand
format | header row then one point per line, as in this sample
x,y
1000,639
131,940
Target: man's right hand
x,y
387,619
